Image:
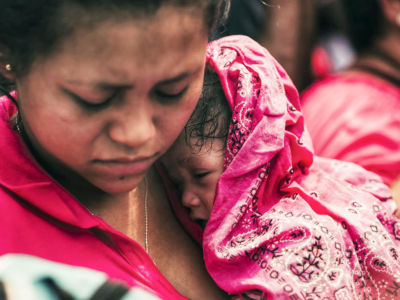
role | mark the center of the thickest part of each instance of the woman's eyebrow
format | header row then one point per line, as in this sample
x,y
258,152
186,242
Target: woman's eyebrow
x,y
100,85
113,86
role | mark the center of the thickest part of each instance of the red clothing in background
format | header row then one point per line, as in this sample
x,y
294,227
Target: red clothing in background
x,y
356,117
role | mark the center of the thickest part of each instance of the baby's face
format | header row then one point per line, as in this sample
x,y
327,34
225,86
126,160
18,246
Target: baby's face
x,y
196,175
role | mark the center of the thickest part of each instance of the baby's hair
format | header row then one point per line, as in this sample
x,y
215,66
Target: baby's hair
x,y
211,118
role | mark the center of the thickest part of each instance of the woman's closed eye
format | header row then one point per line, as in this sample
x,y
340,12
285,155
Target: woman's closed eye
x,y
91,104
171,94
176,87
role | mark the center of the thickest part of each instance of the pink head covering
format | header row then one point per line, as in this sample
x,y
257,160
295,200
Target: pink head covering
x,y
281,223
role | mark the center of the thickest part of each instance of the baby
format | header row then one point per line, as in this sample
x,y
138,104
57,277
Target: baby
x,y
284,222
196,160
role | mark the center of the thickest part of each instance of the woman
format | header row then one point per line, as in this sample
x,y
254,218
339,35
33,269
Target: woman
x,y
102,89
353,115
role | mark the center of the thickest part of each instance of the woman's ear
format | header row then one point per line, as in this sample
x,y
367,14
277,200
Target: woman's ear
x,y
391,11
6,68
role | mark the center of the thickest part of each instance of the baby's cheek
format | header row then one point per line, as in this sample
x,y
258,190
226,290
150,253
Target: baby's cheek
x,y
210,201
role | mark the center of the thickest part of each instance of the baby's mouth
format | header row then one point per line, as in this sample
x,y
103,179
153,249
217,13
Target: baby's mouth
x,y
201,223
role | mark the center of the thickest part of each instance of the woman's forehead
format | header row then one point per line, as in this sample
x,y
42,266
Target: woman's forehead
x,y
121,52
76,16
167,21
93,33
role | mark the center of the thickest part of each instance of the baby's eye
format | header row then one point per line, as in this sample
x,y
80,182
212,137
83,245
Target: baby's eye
x,y
200,175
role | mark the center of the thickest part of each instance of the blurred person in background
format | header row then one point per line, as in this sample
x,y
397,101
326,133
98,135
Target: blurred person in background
x,y
284,27
331,48
353,115
307,37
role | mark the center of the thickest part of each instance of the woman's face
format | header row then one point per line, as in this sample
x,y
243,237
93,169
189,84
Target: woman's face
x,y
113,98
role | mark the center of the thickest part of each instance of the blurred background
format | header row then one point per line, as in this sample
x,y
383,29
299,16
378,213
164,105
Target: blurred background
x,y
308,37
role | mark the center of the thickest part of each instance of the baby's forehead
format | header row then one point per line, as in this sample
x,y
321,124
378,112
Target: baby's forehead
x,y
185,154
195,148
189,157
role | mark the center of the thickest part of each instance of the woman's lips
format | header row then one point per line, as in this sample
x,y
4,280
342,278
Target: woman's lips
x,y
125,166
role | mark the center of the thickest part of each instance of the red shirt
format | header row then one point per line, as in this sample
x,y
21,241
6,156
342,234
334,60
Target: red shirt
x,y
40,218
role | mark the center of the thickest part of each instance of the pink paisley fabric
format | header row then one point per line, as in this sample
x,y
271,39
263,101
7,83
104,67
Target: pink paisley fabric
x,y
286,224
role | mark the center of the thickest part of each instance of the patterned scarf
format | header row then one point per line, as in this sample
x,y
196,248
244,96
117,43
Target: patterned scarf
x,y
286,224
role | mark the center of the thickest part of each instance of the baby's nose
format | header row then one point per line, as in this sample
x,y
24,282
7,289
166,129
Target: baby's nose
x,y
189,199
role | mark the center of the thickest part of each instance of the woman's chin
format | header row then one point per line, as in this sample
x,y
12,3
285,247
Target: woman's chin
x,y
119,186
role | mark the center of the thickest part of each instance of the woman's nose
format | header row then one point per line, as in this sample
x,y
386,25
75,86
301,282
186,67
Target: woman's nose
x,y
133,126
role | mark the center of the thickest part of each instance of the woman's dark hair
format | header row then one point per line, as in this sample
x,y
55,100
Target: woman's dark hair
x,y
364,22
211,118
30,29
